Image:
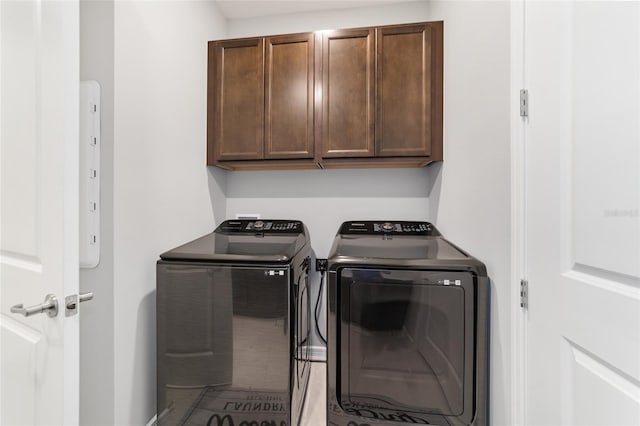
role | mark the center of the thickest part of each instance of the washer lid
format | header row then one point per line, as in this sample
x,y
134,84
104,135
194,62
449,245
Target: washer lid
x,y
394,247
398,244
265,241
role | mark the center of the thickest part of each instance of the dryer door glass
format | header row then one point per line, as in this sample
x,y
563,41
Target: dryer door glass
x,y
406,342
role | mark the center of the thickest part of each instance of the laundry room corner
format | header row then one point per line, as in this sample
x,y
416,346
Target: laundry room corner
x,y
163,194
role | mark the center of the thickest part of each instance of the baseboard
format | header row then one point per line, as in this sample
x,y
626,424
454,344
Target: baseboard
x,y
317,353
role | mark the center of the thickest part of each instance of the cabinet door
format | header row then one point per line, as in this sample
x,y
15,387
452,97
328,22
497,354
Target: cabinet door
x,y
409,89
348,93
236,91
289,96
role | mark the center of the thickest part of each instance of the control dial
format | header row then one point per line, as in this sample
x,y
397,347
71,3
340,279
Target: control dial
x,y
258,224
388,227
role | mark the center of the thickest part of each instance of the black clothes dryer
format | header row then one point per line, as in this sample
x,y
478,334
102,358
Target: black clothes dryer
x,y
407,328
232,326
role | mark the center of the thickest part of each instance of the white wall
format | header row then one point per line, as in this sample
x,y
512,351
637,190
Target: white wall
x,y
96,327
163,193
323,199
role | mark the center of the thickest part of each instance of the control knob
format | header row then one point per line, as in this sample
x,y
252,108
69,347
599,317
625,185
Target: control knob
x,y
258,224
388,227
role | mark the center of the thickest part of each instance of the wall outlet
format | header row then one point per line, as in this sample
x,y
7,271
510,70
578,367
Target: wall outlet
x,y
321,265
248,216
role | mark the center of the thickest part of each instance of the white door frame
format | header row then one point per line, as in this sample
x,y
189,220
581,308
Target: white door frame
x,y
71,43
518,218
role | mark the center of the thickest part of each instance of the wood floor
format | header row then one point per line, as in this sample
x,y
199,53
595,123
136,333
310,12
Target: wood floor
x,y
314,413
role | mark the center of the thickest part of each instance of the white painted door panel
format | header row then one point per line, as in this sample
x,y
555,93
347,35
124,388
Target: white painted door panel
x,y
39,80
582,68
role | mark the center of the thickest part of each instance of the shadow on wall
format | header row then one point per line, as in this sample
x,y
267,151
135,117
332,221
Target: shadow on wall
x,y
377,183
434,172
217,180
145,346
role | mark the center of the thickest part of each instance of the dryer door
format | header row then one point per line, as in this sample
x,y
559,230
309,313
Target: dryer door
x,y
406,343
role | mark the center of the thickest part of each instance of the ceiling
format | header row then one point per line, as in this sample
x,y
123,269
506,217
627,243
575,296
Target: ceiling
x,y
242,9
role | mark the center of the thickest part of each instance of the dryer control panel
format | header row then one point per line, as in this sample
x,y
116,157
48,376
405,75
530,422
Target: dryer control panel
x,y
388,228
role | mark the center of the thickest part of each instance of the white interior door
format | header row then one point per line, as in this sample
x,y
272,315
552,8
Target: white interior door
x,y
39,90
582,70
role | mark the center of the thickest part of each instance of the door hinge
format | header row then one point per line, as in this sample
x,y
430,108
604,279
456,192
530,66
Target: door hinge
x,y
524,103
524,294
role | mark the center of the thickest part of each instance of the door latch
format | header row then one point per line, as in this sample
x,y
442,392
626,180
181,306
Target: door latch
x,y
71,303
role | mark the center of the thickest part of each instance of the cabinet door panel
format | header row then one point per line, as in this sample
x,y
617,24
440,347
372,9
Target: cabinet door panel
x,y
289,96
408,59
348,93
237,131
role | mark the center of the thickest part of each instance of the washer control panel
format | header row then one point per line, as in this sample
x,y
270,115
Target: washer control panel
x,y
388,228
262,226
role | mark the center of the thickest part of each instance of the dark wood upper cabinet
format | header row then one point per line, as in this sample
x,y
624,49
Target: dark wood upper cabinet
x,y
348,93
409,89
236,100
367,97
289,96
260,100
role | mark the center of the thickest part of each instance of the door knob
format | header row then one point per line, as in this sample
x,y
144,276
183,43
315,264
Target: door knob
x,y
71,303
50,306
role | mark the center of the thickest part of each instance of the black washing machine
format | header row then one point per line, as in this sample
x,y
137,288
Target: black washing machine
x,y
232,326
408,328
